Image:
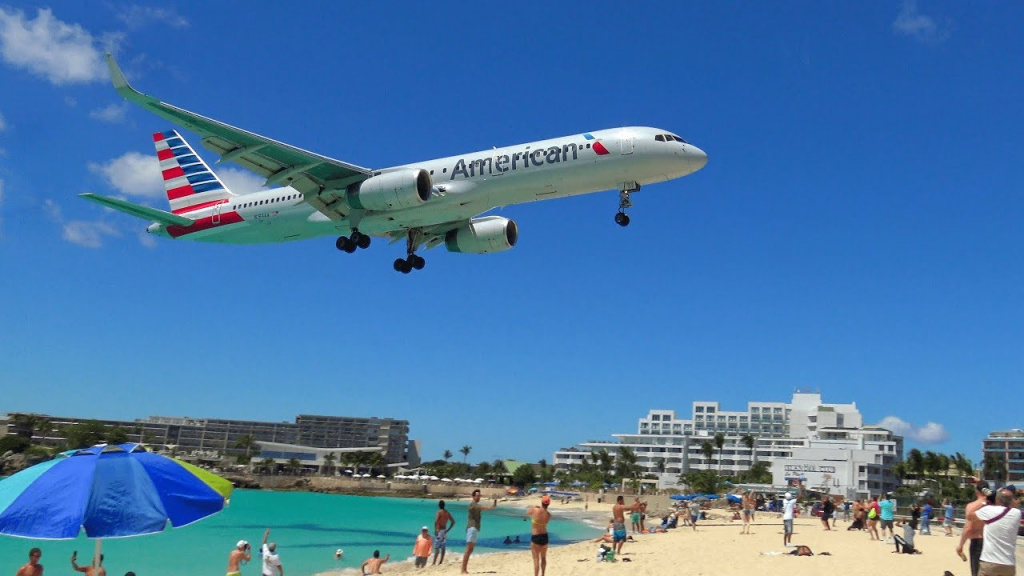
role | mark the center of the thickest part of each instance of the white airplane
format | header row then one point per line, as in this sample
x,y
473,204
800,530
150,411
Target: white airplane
x,y
425,203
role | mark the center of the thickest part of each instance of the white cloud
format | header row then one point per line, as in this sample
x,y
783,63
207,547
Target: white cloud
x,y
146,239
929,434
53,211
133,174
921,27
138,16
112,114
3,123
88,234
81,232
240,181
60,52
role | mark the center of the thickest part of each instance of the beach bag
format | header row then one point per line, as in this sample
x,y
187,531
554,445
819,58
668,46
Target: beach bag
x,y
872,514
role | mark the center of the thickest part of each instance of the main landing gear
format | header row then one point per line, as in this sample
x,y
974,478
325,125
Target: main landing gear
x,y
411,261
350,243
621,218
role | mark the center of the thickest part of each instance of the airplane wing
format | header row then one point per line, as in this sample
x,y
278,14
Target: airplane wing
x,y
281,164
137,210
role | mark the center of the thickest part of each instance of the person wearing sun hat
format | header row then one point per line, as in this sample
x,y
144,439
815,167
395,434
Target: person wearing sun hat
x,y
421,550
539,518
241,553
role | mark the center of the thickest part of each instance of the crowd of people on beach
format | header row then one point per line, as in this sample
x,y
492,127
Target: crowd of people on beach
x,y
989,533
34,568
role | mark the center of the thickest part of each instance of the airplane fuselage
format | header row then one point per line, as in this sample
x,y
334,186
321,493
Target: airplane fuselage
x,y
464,186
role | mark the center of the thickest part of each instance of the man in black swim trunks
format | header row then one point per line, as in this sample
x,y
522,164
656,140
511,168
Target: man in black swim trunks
x,y
539,518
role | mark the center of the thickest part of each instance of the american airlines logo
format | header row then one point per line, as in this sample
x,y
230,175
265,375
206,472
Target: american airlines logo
x,y
502,163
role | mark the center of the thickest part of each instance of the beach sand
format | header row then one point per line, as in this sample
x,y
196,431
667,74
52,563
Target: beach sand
x,y
718,549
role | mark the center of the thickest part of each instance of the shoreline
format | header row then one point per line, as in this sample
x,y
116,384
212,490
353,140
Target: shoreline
x,y
581,512
717,548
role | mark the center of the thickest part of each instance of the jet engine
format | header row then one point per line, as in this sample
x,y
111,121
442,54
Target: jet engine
x,y
483,235
391,190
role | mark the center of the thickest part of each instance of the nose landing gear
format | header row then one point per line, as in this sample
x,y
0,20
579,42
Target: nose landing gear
x,y
621,218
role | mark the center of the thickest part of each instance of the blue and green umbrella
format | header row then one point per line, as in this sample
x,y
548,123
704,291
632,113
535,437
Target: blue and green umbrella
x,y
108,491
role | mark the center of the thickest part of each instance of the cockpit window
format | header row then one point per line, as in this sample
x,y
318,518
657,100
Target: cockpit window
x,y
676,138
660,137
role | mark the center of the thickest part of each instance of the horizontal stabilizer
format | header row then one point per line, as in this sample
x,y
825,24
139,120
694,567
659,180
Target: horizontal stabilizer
x,y
137,210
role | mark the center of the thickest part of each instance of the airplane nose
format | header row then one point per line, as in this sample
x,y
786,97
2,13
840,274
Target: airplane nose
x,y
698,158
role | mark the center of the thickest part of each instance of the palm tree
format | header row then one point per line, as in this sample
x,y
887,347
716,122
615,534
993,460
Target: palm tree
x,y
248,444
465,452
899,470
483,469
606,464
915,463
993,467
749,441
377,461
498,468
719,443
963,465
267,465
659,465
625,463
709,450
329,460
294,465
447,455
931,463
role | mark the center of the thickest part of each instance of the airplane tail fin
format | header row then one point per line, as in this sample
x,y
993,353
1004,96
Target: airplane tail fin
x,y
189,182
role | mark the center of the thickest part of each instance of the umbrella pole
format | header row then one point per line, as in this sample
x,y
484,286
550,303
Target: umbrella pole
x,y
96,554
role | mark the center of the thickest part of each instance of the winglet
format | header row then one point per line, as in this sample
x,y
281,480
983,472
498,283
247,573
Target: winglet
x,y
120,82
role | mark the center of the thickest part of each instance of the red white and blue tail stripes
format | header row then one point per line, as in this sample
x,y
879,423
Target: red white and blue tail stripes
x,y
189,182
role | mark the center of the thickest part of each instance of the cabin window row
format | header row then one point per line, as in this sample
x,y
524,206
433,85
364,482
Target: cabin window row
x,y
267,201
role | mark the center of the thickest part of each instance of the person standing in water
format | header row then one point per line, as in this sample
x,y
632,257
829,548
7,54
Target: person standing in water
x,y
539,518
473,526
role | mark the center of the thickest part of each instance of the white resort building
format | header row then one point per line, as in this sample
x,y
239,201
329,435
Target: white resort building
x,y
825,446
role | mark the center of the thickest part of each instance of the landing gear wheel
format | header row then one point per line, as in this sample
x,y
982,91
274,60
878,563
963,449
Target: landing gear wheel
x,y
345,245
363,241
417,262
622,219
402,266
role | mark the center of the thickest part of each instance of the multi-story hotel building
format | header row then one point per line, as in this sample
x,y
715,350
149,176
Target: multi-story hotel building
x,y
1008,448
825,446
215,438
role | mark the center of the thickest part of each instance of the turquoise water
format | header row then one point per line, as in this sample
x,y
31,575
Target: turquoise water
x,y
308,528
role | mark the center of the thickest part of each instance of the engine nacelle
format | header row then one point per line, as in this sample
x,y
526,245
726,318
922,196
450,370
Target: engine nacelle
x,y
483,235
391,190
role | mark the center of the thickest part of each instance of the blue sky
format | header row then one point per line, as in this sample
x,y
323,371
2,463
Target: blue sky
x,y
858,228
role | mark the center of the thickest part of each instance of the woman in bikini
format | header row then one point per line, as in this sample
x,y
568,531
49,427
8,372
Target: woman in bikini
x,y
539,518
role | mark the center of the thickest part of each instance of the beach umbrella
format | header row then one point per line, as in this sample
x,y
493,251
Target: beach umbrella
x,y
108,491
435,478
478,481
381,476
734,499
446,479
533,489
